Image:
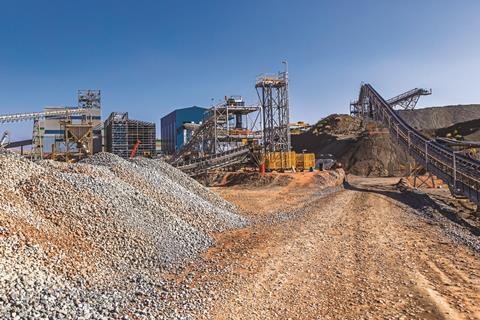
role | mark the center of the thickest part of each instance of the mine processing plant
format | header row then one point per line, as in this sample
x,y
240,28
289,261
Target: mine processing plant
x,y
234,134
63,133
460,171
224,138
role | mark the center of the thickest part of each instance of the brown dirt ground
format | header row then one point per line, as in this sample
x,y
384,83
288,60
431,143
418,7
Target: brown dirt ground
x,y
354,254
295,189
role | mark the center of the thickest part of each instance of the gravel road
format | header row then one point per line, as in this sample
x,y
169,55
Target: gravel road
x,y
361,253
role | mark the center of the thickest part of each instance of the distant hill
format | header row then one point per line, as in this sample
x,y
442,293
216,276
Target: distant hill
x,y
440,117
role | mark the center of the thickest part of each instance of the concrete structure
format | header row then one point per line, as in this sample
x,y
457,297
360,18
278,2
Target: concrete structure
x,y
177,127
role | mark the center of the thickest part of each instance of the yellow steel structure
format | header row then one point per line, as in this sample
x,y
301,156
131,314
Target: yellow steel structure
x,y
305,160
280,160
289,160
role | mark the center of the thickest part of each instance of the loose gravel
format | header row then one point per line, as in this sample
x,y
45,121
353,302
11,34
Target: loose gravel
x,y
97,239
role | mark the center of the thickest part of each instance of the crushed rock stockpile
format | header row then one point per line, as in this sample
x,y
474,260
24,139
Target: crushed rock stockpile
x,y
339,124
440,117
468,130
91,239
369,151
362,151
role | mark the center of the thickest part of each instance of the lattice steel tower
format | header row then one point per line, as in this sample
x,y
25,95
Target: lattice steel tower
x,y
89,99
273,94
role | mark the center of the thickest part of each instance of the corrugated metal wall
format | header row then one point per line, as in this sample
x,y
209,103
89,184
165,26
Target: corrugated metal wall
x,y
171,127
167,132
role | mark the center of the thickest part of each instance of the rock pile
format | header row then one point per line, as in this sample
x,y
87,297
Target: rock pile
x,y
92,239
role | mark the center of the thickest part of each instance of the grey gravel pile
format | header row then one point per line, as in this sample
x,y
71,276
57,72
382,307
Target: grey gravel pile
x,y
185,181
187,198
92,239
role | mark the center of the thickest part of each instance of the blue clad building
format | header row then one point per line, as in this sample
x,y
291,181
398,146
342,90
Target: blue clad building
x,y
172,130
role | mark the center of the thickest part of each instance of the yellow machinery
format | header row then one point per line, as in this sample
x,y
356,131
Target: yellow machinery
x,y
305,161
289,160
280,160
299,127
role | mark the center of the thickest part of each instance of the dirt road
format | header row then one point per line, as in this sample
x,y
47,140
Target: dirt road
x,y
355,254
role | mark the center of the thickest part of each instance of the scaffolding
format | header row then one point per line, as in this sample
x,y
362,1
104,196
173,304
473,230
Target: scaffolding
x,y
116,134
122,134
144,132
37,140
273,95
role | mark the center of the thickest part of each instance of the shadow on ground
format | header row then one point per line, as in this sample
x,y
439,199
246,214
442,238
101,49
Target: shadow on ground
x,y
417,200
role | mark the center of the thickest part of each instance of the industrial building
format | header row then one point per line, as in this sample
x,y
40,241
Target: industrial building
x,y
178,126
124,136
69,133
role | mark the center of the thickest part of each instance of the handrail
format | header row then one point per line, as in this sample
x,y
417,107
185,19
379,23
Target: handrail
x,y
461,173
410,93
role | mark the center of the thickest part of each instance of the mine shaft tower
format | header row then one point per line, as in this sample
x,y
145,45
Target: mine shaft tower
x,y
273,95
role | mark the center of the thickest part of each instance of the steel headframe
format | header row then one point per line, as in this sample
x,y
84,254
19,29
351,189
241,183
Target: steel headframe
x,y
273,95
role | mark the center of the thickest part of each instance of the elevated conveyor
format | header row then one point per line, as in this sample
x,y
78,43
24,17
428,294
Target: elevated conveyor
x,y
18,117
461,173
222,140
199,166
408,100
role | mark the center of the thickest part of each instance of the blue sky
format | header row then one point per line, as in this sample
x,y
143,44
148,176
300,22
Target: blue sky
x,y
149,57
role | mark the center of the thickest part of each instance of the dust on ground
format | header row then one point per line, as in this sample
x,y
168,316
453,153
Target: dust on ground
x,y
367,252
282,191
